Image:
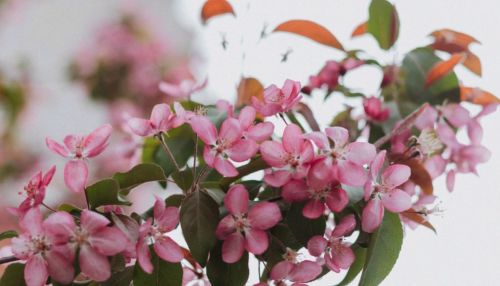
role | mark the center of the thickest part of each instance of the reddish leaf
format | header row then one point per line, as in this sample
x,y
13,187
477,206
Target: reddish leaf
x,y
308,115
248,88
452,41
420,176
473,63
213,8
414,216
311,30
360,30
441,69
477,96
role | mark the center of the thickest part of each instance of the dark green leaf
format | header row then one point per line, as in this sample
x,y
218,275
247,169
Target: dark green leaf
x,y
383,23
69,208
222,274
142,173
183,179
164,273
383,250
13,275
122,278
254,166
356,267
199,219
105,192
253,187
303,228
7,234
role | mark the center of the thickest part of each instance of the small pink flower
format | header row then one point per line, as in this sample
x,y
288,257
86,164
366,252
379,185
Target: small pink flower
x,y
94,238
165,219
278,100
223,145
331,195
79,148
295,272
374,109
194,276
182,90
35,190
383,193
291,157
42,255
244,227
337,253
343,160
161,120
329,75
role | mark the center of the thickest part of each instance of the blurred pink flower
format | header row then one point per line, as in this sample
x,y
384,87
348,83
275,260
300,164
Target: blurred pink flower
x,y
278,100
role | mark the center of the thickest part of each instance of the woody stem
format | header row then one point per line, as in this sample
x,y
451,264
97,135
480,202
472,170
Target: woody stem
x,y
8,259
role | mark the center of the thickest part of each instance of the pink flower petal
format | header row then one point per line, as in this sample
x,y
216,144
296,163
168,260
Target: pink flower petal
x,y
260,131
49,175
247,117
281,270
273,153
277,178
230,130
60,269
108,241
331,264
292,139
456,114
94,265
313,209
73,142
75,175
95,142
209,155
319,139
377,164
226,227
205,129
427,118
256,241
140,126
372,216
396,201
32,222
160,116
337,200
242,150
264,215
295,191
233,248
144,256
168,250
60,226
339,135
396,175
305,271
224,167
317,245
360,152
35,272
56,147
345,227
344,257
92,221
169,219
475,132
236,200
351,174
450,180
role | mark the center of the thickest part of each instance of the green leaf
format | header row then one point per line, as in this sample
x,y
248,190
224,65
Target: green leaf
x,y
356,267
140,174
303,228
105,192
69,208
199,218
7,234
13,275
183,179
253,187
122,278
254,166
383,250
164,273
223,274
383,23
181,142
414,69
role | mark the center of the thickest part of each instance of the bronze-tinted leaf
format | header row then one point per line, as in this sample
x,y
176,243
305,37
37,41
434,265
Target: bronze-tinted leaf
x,y
360,30
311,30
452,41
248,88
441,69
420,176
414,216
213,8
477,96
473,63
308,115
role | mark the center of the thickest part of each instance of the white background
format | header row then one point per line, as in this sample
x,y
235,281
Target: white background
x,y
464,252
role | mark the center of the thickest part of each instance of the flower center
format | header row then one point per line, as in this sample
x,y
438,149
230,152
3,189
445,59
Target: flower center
x,y
39,244
241,223
80,236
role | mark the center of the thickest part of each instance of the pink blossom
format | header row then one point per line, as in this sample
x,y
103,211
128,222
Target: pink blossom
x,y
337,253
35,190
374,109
223,145
182,90
331,195
329,75
245,228
155,231
79,148
291,158
383,193
278,100
161,120
343,160
42,254
94,238
194,276
295,272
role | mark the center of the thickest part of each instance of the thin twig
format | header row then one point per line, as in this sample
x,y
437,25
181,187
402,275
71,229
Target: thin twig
x,y
49,208
168,151
8,259
405,125
195,156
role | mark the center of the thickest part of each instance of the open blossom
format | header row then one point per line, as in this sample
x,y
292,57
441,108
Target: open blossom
x,y
182,90
79,148
245,227
42,254
381,192
337,253
35,190
374,110
223,145
94,239
290,158
330,73
155,231
343,160
277,100
331,195
162,119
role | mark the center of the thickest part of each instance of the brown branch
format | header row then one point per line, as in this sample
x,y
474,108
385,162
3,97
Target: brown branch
x,y
8,259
